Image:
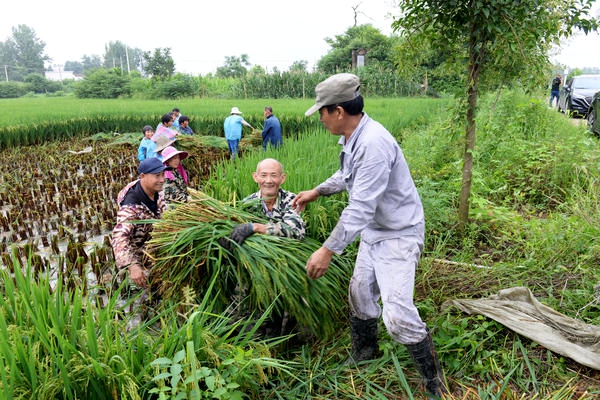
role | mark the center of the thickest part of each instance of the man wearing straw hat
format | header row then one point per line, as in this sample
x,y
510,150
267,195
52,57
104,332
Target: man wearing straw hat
x,y
384,208
140,200
233,130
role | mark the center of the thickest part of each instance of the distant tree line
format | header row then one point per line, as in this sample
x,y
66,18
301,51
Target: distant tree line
x,y
130,72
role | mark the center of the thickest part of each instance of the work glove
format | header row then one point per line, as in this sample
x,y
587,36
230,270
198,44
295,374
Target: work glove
x,y
241,232
225,243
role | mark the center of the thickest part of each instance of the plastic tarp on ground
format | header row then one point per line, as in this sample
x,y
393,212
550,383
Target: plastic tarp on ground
x,y
517,309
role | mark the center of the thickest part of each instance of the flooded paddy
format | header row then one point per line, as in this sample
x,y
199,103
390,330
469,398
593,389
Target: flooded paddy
x,y
58,203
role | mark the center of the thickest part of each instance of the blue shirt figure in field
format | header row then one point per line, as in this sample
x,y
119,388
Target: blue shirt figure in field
x,y
233,130
555,90
147,146
184,125
385,209
176,114
271,134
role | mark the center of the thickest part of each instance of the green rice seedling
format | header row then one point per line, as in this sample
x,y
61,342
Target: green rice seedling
x,y
61,345
187,252
66,355
232,181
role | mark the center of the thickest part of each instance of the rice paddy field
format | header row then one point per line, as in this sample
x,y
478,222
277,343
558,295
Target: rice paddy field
x,y
65,335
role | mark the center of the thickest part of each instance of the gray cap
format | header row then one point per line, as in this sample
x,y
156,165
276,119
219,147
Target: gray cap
x,y
336,89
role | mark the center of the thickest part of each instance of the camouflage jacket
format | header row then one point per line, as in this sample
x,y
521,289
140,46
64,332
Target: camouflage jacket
x,y
175,189
283,220
129,239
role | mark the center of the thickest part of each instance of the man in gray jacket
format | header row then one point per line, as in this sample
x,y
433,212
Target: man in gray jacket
x,y
385,210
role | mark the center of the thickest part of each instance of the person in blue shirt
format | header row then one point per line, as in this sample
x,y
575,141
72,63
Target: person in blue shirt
x,y
146,145
271,134
233,130
555,89
184,125
176,115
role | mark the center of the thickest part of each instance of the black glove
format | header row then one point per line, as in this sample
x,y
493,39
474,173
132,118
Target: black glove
x,y
225,243
241,232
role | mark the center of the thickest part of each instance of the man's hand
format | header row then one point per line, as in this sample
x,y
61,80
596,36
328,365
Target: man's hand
x,y
303,198
241,232
225,243
138,276
318,263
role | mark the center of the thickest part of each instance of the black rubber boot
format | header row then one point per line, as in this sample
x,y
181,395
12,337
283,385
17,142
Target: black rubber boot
x,y
363,333
428,365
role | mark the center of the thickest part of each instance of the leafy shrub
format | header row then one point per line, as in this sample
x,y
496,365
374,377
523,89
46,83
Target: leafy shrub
x,y
103,84
12,89
175,88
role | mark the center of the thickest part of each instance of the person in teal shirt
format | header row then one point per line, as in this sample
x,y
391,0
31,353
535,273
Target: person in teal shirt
x,y
147,146
233,130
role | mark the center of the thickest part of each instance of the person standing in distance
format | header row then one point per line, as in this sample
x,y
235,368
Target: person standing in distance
x,y
385,209
555,89
233,130
271,134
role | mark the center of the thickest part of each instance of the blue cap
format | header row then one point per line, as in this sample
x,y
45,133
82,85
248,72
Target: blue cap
x,y
151,166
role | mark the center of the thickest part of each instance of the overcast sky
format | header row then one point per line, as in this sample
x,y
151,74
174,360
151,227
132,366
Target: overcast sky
x,y
202,33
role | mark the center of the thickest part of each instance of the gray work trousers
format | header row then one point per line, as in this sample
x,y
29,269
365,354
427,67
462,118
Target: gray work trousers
x,y
385,270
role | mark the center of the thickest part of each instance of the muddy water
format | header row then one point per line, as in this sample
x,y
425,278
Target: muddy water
x,y
63,195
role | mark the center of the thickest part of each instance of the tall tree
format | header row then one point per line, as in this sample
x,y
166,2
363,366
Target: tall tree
x,y
119,55
298,67
491,41
379,49
91,62
23,52
159,65
74,66
235,67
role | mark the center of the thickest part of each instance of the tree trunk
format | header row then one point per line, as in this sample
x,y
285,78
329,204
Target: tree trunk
x,y
467,171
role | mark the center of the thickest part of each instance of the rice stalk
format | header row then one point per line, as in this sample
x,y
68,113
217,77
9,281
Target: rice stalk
x,y
186,250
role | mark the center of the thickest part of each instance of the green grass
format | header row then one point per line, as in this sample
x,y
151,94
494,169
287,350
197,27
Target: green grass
x,y
42,109
534,222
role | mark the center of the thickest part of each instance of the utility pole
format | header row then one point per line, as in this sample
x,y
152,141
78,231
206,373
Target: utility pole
x,y
127,57
59,66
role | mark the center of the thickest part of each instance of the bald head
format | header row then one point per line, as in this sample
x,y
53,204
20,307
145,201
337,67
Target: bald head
x,y
269,176
271,164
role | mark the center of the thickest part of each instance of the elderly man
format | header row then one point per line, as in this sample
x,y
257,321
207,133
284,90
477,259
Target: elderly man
x,y
273,202
385,210
140,200
276,204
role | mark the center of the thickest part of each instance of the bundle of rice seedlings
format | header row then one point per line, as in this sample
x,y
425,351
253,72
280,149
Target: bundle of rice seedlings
x,y
200,143
187,253
252,140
